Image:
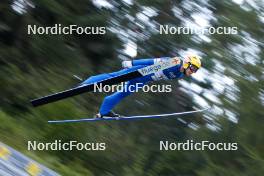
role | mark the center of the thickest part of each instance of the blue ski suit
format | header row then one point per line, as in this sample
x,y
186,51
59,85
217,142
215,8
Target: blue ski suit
x,y
112,100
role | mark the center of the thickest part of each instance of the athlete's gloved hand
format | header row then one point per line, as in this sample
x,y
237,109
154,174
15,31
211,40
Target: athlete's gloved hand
x,y
127,64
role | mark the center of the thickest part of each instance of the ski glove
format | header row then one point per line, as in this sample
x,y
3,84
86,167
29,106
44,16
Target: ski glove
x,y
127,64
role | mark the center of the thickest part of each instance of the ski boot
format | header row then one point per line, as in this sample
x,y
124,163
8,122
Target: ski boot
x,y
109,114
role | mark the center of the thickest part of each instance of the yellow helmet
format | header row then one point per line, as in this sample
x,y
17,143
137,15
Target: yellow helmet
x,y
192,60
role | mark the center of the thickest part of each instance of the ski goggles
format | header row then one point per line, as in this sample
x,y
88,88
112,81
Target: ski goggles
x,y
193,68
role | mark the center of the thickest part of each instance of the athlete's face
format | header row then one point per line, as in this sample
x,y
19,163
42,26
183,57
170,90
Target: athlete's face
x,y
188,72
191,69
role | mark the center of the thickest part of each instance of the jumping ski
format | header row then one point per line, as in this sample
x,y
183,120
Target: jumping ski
x,y
127,117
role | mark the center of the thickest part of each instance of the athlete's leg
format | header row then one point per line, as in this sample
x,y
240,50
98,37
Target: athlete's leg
x,y
112,100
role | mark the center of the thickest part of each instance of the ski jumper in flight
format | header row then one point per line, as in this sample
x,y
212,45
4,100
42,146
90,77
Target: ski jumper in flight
x,y
182,68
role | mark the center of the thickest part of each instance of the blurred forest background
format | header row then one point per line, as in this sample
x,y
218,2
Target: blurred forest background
x,y
231,81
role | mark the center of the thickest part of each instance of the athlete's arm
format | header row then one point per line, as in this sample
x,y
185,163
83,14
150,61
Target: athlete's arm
x,y
146,62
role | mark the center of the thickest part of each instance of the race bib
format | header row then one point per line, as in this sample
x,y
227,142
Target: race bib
x,y
160,66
